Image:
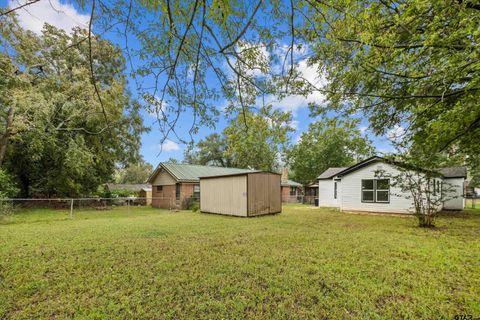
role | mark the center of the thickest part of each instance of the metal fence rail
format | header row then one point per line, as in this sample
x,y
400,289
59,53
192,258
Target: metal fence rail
x,y
72,204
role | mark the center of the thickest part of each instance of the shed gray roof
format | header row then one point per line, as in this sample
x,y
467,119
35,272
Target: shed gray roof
x,y
454,172
330,172
129,186
192,173
290,183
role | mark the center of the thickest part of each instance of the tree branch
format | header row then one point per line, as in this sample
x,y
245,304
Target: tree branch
x,y
245,28
90,57
19,7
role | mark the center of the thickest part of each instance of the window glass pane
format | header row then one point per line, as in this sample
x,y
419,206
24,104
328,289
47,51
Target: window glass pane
x,y
177,191
367,196
335,190
196,188
367,184
383,184
382,196
159,188
293,191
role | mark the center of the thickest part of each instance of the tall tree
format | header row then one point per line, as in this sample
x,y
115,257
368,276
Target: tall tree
x,y
258,141
137,172
209,151
66,136
408,63
328,144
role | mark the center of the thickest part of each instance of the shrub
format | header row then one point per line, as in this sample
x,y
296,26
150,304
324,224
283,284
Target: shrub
x,y
8,187
6,210
193,204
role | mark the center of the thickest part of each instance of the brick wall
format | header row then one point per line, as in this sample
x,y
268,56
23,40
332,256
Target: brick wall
x,y
186,192
163,199
166,198
286,197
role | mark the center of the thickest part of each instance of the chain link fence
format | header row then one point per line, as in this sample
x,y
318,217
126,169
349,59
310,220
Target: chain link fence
x,y
292,199
472,202
72,205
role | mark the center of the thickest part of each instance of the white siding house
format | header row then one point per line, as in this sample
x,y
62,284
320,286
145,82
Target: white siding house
x,y
327,197
457,202
358,188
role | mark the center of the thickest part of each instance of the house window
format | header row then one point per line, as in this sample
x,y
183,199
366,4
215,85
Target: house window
x,y
293,191
437,187
177,191
368,191
196,190
335,190
382,190
159,188
376,190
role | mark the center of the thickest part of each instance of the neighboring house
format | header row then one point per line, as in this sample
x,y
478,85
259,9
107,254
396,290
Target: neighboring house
x,y
471,191
310,193
357,188
174,184
290,190
136,190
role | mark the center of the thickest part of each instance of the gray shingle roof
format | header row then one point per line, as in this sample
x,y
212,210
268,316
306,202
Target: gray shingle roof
x,y
191,173
290,183
330,172
454,172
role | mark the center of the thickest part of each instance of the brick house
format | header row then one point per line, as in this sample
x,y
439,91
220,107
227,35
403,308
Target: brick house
x,y
174,184
291,190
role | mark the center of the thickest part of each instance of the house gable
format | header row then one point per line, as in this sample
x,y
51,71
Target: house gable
x,y
162,178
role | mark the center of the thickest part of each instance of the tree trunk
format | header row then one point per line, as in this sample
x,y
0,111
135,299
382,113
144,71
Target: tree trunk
x,y
6,135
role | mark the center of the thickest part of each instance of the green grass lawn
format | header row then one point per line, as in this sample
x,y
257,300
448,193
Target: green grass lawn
x,y
302,263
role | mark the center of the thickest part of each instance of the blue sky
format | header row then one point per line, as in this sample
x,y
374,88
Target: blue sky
x,y
66,16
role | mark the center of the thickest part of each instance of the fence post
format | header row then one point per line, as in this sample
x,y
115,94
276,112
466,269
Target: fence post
x,y
71,209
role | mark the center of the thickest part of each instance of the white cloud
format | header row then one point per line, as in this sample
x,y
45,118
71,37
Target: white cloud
x,y
294,124
169,145
396,133
60,15
295,102
363,130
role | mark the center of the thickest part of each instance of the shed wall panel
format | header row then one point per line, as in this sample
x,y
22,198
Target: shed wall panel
x,y
275,193
264,194
224,195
